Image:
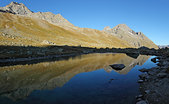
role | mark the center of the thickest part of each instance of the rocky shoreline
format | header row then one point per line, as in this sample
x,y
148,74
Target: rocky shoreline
x,y
14,53
154,83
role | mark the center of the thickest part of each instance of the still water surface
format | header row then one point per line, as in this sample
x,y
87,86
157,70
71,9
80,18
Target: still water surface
x,y
86,79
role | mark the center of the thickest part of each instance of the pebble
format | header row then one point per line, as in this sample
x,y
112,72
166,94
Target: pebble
x,y
151,73
139,99
147,91
156,80
144,76
161,75
139,96
140,81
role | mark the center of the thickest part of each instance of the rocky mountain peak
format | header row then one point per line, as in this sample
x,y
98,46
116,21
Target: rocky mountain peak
x,y
123,27
59,15
106,28
21,9
14,3
119,27
16,8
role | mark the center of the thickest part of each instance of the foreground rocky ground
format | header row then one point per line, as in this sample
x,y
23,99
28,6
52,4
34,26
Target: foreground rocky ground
x,y
154,82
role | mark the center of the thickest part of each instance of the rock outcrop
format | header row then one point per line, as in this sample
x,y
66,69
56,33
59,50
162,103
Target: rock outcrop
x,y
135,39
17,8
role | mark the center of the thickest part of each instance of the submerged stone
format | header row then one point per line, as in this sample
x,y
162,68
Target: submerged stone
x,y
144,70
142,102
140,81
139,96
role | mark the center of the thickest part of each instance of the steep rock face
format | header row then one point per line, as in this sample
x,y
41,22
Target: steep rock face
x,y
18,21
135,39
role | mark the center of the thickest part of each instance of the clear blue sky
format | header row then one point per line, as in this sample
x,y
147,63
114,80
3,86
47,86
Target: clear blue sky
x,y
149,16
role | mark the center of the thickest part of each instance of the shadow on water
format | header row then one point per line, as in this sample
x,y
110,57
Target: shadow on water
x,y
22,55
19,81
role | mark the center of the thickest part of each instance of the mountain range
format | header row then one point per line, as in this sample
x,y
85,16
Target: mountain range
x,y
20,26
163,46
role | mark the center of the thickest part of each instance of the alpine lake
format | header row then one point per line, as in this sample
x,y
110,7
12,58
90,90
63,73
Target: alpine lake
x,y
85,79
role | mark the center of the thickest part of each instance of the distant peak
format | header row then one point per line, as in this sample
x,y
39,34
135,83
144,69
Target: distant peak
x,y
107,28
59,15
16,8
123,26
15,3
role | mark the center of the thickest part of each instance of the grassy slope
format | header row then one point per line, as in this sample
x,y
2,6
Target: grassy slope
x,y
29,31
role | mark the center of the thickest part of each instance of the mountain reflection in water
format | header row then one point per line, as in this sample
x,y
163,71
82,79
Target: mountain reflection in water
x,y
17,82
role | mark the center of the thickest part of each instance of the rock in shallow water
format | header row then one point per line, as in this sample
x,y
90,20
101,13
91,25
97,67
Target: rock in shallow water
x,y
118,66
139,96
141,102
140,81
144,70
154,60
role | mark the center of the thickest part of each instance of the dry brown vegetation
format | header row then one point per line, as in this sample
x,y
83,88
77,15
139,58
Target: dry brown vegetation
x,y
20,30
